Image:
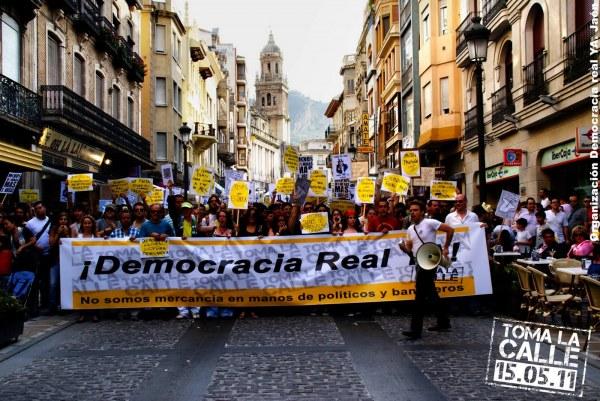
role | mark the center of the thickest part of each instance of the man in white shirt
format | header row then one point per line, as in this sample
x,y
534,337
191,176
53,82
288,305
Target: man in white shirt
x,y
544,200
422,231
557,220
528,214
39,228
461,215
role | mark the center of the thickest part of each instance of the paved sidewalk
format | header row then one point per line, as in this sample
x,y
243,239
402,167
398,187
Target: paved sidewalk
x,y
36,330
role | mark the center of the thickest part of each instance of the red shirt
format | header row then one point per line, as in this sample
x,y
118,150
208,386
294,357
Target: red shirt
x,y
378,223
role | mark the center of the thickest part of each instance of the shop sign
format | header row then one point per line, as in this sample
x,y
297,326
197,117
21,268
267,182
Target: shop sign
x,y
500,172
66,146
584,139
364,129
560,154
513,157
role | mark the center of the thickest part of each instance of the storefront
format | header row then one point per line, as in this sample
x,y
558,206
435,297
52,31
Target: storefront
x,y
497,178
568,171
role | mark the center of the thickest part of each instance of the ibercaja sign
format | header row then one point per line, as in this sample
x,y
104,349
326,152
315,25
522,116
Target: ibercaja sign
x,y
537,356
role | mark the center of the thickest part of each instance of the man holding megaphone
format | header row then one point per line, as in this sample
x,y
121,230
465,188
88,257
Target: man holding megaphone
x,y
422,236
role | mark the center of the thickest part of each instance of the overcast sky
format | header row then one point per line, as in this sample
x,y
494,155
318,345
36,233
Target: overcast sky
x,y
313,35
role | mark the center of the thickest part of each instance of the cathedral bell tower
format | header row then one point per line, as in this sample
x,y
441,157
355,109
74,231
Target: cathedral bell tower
x,y
272,91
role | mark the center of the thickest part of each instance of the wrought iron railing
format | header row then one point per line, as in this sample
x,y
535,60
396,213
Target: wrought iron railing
x,y
577,48
461,42
535,79
19,104
59,102
491,8
87,16
502,104
471,123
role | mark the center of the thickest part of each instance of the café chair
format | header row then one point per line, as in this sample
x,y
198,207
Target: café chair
x,y
565,282
592,290
529,295
549,305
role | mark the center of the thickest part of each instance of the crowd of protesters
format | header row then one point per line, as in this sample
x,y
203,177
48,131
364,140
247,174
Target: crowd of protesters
x,y
552,226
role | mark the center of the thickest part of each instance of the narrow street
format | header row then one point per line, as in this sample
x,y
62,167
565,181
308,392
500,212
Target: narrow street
x,y
271,358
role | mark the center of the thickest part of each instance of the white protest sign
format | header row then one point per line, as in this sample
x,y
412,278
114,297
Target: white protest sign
x,y
507,205
341,166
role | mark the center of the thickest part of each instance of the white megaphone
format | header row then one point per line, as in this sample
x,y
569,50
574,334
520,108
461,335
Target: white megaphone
x,y
429,256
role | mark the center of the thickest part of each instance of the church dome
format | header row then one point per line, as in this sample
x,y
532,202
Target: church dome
x,y
271,47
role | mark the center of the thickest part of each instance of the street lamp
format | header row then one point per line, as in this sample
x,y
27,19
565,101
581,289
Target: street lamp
x,y
185,132
352,150
477,42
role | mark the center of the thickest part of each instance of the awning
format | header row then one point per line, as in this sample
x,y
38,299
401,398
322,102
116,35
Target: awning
x,y
20,156
55,171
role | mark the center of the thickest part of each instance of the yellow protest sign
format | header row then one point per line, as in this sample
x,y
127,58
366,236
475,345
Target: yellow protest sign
x,y
141,185
29,195
285,186
395,183
318,183
80,182
202,181
118,187
443,190
365,190
151,248
156,196
342,205
314,223
290,158
238,195
410,163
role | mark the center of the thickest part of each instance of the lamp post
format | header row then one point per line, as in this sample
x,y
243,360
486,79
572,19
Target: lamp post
x,y
477,41
185,132
352,150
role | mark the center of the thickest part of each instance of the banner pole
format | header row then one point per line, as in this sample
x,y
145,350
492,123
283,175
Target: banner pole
x,y
3,199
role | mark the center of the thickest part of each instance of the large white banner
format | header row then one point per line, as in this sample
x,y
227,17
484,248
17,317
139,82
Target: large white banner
x,y
295,270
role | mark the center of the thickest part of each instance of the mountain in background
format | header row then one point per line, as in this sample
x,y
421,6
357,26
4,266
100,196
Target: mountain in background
x,y
307,119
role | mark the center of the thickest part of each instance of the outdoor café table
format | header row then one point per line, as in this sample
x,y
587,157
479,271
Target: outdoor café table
x,y
573,272
506,255
541,265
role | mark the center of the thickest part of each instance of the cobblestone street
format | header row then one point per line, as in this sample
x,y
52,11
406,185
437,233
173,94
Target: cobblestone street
x,y
271,358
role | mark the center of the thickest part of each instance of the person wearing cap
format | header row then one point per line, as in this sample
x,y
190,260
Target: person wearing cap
x,y
108,223
187,226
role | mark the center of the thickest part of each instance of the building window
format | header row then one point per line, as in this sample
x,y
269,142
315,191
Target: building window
x,y
427,100
407,52
176,44
159,38
116,102
350,86
79,75
443,17
161,146
99,98
161,92
274,100
176,150
444,96
276,68
425,25
268,99
130,113
54,64
176,97
385,22
407,116
263,101
11,48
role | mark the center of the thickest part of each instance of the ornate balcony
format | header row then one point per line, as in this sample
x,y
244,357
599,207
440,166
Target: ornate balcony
x,y
19,105
471,123
535,79
225,154
68,6
86,17
577,56
63,107
461,42
502,104
108,40
491,8
332,133
203,138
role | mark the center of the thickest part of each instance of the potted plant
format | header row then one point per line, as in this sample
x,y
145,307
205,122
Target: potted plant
x,y
137,70
12,318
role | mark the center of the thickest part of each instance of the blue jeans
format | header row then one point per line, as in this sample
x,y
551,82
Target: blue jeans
x,y
54,297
